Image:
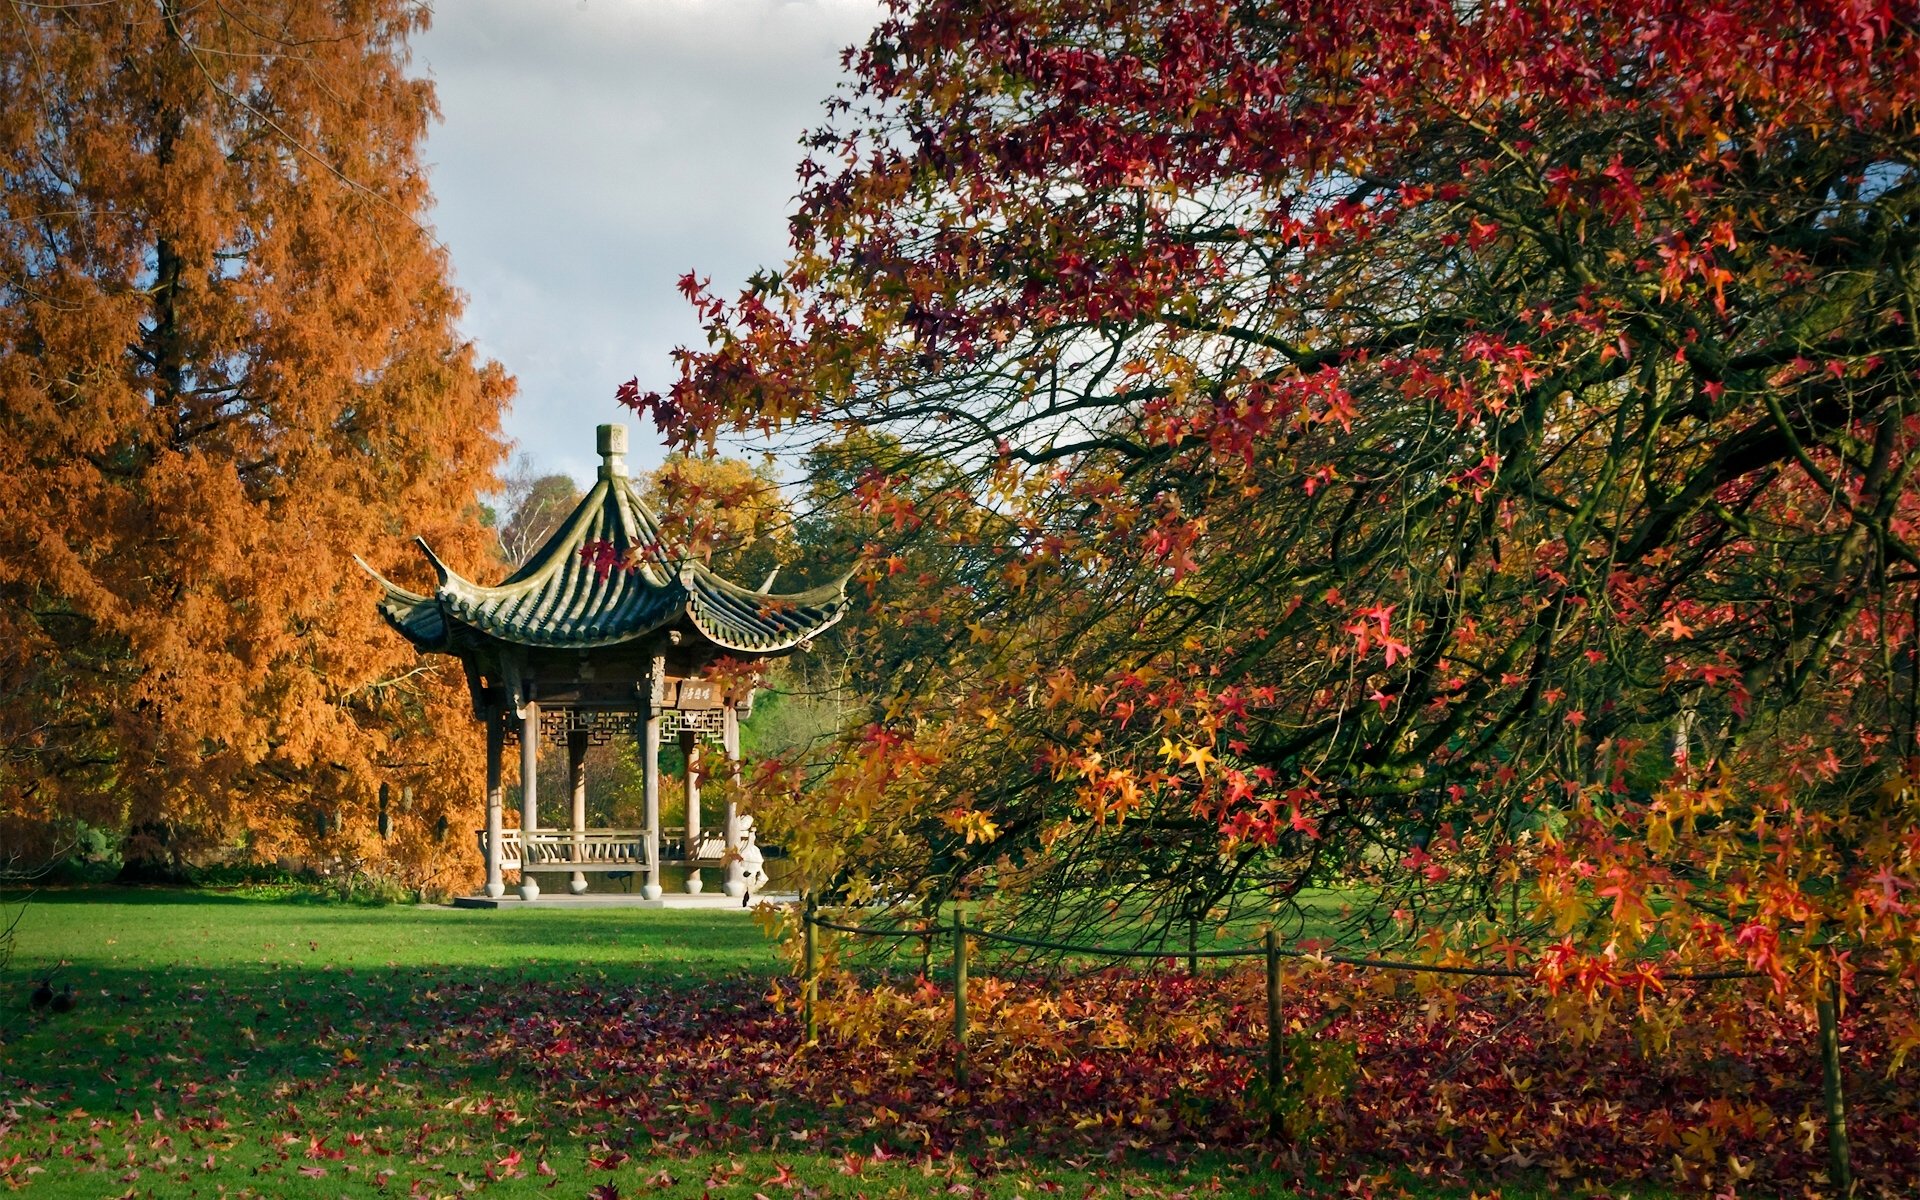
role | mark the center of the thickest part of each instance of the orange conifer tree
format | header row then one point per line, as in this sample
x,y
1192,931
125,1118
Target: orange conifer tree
x,y
228,362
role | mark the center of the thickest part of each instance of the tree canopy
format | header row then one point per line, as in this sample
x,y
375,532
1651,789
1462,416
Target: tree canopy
x,y
1461,448
228,362
532,506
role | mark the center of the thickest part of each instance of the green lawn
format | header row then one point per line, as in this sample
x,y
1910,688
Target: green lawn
x,y
232,1045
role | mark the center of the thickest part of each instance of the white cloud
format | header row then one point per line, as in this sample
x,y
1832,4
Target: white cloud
x,y
591,152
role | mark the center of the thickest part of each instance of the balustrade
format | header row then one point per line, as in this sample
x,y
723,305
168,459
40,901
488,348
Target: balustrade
x,y
596,849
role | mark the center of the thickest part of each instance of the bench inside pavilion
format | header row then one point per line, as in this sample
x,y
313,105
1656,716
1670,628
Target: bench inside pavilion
x,y
599,636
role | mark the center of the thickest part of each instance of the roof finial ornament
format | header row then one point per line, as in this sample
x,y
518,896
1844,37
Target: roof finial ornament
x,y
612,440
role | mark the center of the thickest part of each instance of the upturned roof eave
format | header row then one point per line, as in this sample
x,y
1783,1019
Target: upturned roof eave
x,y
410,614
828,604
834,592
773,645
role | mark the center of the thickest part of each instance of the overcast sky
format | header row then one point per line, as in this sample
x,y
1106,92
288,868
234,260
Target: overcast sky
x,y
593,151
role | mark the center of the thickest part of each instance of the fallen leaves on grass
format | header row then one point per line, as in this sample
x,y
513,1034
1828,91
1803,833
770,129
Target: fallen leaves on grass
x,y
1455,1085
579,1080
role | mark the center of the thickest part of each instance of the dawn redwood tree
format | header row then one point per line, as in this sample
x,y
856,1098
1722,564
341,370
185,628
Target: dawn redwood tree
x,y
228,362
1459,447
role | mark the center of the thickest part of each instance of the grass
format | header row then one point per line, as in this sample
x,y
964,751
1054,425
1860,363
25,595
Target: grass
x,y
255,1045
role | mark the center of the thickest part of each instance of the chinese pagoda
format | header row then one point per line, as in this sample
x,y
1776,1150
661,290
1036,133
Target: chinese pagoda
x,y
600,636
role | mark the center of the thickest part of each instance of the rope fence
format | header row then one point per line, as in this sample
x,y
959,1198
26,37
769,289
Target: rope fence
x,y
1691,975
1826,1007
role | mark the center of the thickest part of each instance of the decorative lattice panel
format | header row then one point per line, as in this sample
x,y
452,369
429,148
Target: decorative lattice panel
x,y
709,724
600,725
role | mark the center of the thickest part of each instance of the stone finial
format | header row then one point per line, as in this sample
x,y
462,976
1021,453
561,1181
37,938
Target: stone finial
x,y
612,442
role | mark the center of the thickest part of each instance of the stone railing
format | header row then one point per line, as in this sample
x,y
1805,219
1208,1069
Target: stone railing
x,y
561,849
710,850
595,849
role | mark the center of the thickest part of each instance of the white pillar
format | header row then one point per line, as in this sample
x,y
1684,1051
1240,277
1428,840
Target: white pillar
x,y
529,801
577,779
650,775
496,736
736,884
690,750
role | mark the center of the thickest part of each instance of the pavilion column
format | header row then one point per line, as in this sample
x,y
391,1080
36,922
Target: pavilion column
x,y
690,750
736,884
650,778
496,794
529,799
577,780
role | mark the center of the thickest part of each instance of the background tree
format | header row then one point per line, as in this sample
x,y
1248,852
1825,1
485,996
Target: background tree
x,y
1462,449
228,362
726,512
534,505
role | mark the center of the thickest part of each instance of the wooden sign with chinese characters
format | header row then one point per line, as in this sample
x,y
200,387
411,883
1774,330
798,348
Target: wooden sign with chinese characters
x,y
693,694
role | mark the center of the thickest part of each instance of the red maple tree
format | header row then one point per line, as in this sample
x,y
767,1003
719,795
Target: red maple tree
x,y
1457,449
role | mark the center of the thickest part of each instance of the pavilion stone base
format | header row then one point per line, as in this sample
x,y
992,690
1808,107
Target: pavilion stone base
x,y
677,900
551,886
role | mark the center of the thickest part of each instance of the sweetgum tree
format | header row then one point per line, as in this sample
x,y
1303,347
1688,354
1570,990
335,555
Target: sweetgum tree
x,y
228,362
1459,447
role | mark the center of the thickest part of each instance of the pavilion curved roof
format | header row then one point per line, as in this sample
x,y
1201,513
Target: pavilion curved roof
x,y
563,599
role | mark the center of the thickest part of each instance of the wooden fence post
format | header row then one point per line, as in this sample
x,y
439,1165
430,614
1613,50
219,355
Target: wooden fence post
x,y
959,998
810,985
1840,1165
1193,946
1276,1036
